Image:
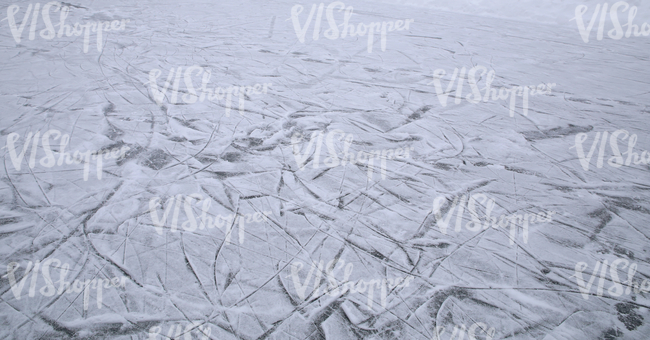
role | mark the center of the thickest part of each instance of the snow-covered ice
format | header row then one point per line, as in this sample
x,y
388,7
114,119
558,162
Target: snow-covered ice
x,y
233,215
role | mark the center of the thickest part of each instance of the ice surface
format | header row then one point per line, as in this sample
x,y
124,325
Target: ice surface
x,y
236,280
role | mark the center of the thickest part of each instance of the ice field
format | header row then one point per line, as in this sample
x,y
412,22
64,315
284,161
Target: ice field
x,y
237,170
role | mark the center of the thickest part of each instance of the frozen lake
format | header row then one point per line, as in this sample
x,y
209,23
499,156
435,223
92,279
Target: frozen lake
x,y
351,170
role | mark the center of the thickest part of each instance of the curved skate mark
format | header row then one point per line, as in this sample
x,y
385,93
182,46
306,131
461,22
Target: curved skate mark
x,y
557,132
